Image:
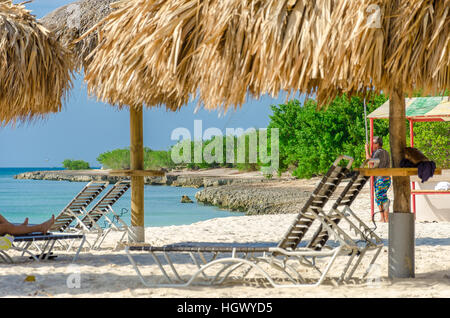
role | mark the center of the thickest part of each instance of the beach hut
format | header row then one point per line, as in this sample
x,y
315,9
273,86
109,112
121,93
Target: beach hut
x,y
35,70
222,52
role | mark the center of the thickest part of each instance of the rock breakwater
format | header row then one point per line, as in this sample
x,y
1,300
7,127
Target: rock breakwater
x,y
255,198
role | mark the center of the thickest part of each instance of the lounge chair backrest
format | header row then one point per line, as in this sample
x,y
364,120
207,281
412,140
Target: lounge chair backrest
x,y
107,201
320,196
78,204
345,199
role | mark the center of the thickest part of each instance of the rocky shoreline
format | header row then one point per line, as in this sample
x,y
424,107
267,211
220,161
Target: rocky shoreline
x,y
177,179
251,193
255,199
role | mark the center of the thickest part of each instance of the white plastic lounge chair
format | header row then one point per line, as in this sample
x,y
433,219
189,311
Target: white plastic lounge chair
x,y
77,206
23,243
103,209
342,214
282,258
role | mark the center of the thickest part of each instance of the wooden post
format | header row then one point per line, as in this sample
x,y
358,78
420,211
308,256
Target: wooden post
x,y
397,137
137,183
411,141
401,222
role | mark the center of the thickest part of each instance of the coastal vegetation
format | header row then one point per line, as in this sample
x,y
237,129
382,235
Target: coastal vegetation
x,y
120,159
309,141
433,139
75,164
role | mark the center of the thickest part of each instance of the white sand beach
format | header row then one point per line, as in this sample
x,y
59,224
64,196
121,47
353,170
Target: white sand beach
x,y
108,272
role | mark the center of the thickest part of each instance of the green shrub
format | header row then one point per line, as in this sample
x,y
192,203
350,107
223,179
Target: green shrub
x,y
75,164
120,159
115,159
250,161
433,139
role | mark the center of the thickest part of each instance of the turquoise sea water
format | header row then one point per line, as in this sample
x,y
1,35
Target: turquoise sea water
x,y
38,200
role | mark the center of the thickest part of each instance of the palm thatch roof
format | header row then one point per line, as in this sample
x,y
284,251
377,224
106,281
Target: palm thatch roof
x,y
214,50
224,51
124,77
385,43
35,70
70,21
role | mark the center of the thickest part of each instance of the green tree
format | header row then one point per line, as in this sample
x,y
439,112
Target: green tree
x,y
120,159
433,139
75,164
311,139
115,159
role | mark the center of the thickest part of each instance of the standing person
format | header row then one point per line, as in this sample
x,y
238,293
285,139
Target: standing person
x,y
382,183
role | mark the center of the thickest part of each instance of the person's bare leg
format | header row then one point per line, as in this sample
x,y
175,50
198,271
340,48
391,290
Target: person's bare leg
x,y
382,219
3,220
386,215
12,229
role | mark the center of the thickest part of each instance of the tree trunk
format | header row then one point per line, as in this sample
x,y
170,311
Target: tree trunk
x,y
137,183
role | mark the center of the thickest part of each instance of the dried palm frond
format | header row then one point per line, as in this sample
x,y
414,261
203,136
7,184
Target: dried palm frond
x,y
70,21
223,51
421,59
214,50
35,70
386,43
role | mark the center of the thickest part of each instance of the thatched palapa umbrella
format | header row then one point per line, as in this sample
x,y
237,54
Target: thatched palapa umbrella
x,y
35,70
215,50
73,25
223,51
70,21
404,48
131,67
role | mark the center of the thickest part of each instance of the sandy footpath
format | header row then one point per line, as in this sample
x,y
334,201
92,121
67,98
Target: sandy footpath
x,y
108,273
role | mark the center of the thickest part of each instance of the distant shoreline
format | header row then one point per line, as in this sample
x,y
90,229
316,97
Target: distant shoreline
x,y
230,189
183,178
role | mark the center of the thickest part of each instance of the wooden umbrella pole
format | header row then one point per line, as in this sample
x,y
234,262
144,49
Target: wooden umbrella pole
x,y
401,221
397,134
137,183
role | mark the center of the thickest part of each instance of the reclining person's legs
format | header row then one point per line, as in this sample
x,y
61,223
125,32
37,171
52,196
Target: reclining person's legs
x,y
12,229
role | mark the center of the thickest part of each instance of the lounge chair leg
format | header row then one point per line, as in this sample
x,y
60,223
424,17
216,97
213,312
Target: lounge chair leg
x,y
83,240
169,261
358,261
333,258
42,255
347,266
46,256
372,261
6,258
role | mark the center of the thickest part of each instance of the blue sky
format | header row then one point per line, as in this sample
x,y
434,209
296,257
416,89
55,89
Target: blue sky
x,y
85,128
